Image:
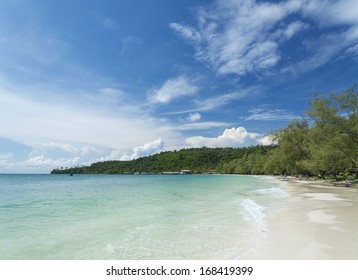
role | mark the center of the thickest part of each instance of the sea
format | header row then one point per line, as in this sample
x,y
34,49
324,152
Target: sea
x,y
135,217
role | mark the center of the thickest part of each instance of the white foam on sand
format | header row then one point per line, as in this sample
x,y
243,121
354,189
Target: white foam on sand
x,y
254,212
276,192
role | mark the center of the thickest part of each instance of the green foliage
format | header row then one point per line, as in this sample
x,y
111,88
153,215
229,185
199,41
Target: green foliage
x,y
325,142
197,160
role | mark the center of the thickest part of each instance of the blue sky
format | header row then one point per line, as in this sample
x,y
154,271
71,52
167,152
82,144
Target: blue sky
x,y
85,81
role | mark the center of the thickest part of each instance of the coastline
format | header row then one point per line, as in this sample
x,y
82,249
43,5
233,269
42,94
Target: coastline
x,y
318,222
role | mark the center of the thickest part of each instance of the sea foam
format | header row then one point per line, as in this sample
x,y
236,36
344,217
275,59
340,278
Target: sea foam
x,y
254,212
275,192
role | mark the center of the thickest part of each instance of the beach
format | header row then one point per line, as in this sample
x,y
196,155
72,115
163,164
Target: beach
x,y
318,222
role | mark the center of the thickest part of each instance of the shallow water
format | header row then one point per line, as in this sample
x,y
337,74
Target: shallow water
x,y
134,216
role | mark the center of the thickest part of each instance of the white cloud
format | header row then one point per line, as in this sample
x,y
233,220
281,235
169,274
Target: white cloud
x,y
172,89
63,147
212,103
55,151
35,162
220,100
193,117
294,28
88,150
233,36
186,31
233,137
200,125
287,32
331,12
141,151
267,140
51,155
5,159
265,114
29,121
58,132
247,36
40,162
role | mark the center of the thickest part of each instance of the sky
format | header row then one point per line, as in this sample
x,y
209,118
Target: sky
x,y
83,81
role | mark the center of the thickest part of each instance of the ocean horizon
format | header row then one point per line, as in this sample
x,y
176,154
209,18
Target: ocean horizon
x,y
135,217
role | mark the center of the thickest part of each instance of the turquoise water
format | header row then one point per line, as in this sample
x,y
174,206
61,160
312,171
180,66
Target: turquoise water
x,y
134,216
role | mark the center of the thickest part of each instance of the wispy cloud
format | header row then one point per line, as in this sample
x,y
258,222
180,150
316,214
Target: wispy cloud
x,y
234,36
201,125
212,103
55,150
172,89
248,36
30,121
63,147
265,114
107,96
328,47
220,100
187,32
331,12
42,162
30,54
286,32
25,45
193,117
5,159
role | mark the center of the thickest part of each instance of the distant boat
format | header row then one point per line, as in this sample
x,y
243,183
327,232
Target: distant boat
x,y
71,174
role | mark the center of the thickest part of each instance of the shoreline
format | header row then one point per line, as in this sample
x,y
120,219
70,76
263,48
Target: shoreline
x,y
319,221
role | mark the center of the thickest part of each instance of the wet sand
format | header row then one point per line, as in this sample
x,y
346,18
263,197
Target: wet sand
x,y
318,222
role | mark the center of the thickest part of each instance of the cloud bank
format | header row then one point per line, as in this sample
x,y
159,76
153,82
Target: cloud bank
x,y
231,137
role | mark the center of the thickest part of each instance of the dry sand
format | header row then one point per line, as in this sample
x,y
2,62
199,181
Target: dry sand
x,y
318,222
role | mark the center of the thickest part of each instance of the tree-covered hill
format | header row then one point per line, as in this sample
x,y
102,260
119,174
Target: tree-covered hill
x,y
197,160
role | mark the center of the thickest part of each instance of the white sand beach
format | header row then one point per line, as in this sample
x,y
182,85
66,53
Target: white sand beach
x,y
319,222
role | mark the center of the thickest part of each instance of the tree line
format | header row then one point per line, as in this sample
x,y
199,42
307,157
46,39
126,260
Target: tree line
x,y
197,160
322,142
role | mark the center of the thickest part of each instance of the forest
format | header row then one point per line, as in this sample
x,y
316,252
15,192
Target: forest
x,y
197,160
322,142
